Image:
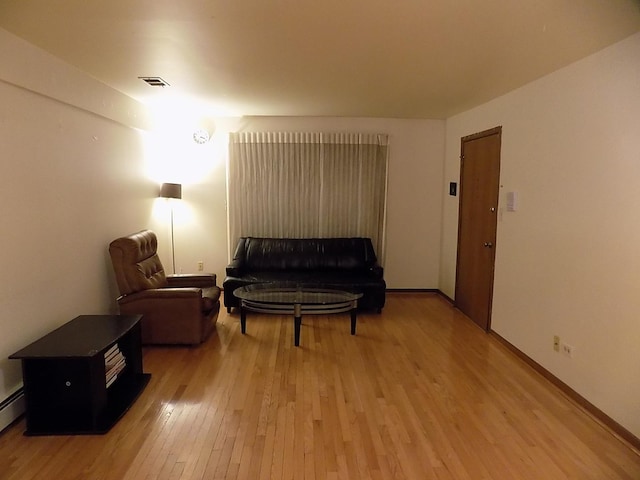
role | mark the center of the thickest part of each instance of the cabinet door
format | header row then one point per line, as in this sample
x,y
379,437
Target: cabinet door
x,y
60,395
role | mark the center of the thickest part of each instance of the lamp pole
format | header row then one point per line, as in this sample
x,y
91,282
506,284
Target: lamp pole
x,y
171,191
173,245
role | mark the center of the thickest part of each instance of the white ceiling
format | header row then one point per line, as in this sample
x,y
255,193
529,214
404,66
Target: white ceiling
x,y
359,58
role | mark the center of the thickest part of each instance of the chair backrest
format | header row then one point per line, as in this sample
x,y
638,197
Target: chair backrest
x,y
136,263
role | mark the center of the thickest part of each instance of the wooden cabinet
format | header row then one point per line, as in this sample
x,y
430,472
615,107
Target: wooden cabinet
x,y
65,375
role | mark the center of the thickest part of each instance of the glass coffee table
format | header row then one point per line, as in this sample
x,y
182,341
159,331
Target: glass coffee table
x,y
295,300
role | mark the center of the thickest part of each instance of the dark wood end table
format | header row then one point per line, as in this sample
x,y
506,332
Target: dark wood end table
x,y
69,384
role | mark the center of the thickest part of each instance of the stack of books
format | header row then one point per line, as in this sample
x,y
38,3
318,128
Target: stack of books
x,y
114,363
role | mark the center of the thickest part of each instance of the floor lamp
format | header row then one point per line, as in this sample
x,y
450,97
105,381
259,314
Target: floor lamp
x,y
171,190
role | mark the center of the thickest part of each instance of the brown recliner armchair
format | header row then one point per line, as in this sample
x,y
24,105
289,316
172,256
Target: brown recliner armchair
x,y
176,309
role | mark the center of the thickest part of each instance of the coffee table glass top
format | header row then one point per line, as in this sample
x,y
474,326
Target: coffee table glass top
x,y
275,293
297,300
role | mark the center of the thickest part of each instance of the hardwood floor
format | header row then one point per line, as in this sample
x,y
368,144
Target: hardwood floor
x,y
419,393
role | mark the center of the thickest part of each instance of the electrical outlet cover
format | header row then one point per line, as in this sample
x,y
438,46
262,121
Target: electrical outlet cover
x,y
568,350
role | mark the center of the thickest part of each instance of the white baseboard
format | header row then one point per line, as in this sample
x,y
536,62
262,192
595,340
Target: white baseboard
x,y
11,408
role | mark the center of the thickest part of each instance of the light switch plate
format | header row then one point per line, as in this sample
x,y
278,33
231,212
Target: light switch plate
x,y
512,201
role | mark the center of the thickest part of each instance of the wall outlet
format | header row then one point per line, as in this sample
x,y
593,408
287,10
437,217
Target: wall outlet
x,y
568,350
200,266
556,343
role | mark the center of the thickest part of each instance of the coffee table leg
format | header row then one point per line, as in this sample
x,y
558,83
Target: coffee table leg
x,y
297,322
243,320
353,318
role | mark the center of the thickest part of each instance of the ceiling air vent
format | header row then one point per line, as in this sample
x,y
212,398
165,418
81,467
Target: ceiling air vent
x,y
154,81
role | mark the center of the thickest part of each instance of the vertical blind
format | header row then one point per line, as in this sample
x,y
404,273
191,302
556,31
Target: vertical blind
x,y
306,185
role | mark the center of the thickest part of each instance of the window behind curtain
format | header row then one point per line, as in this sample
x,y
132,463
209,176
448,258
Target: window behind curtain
x,y
307,185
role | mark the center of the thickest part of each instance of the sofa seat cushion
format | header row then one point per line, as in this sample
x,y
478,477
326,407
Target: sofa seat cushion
x,y
373,289
319,278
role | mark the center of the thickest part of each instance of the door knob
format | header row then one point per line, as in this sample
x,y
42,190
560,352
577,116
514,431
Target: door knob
x,y
488,244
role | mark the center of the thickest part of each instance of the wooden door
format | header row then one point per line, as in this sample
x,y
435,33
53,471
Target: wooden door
x,y
479,187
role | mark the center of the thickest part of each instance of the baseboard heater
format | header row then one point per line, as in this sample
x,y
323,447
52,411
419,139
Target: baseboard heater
x,y
11,408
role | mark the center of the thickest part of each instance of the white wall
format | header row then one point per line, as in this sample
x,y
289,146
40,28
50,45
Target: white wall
x,y
567,261
72,169
411,257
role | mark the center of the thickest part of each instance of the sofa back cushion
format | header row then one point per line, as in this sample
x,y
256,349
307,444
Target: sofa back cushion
x,y
295,254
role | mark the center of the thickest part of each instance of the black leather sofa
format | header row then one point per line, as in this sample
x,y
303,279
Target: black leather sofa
x,y
343,263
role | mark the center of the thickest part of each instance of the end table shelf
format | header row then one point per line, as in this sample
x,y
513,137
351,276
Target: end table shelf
x,y
65,375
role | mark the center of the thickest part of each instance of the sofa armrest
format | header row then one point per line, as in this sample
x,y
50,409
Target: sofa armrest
x,y
377,271
202,280
234,269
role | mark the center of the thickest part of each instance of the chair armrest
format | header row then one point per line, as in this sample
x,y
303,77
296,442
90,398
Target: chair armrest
x,y
202,280
162,294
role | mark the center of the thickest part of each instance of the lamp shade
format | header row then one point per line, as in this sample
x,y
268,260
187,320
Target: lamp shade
x,y
171,190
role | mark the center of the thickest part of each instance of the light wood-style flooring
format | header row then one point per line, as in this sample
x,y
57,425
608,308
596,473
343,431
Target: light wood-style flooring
x,y
419,393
